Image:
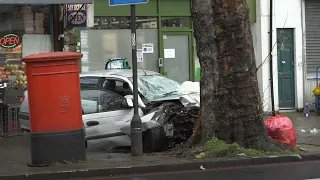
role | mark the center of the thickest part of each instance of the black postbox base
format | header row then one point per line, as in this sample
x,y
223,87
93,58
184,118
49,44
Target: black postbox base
x,y
47,148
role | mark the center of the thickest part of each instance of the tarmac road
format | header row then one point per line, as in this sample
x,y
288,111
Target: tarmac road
x,y
289,171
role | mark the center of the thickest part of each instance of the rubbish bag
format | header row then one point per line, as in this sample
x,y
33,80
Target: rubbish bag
x,y
281,129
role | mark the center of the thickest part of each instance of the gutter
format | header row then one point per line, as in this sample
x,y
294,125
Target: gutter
x,y
304,47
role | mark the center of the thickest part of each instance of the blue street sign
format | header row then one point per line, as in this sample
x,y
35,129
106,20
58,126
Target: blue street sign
x,y
126,2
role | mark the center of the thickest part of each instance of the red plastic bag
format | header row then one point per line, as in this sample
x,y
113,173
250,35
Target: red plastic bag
x,y
280,128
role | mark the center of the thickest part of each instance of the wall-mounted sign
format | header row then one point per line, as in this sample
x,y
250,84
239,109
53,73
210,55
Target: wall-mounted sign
x,y
147,48
10,41
77,15
139,55
126,2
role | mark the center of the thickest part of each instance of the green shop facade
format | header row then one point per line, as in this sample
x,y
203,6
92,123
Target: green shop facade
x,y
165,40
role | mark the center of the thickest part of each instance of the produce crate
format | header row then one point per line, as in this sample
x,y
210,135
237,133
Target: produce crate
x,y
13,74
10,120
11,96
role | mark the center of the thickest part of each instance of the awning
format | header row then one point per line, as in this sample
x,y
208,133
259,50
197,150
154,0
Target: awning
x,y
46,2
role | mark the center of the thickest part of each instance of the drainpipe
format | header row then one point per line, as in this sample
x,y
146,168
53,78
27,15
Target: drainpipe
x,y
62,12
303,25
56,27
271,63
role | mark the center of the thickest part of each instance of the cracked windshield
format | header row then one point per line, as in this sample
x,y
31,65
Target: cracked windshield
x,y
154,87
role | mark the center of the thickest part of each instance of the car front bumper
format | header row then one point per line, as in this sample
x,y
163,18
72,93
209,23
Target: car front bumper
x,y
24,121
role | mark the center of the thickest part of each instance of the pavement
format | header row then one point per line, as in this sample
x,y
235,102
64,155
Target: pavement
x,y
292,171
15,154
310,142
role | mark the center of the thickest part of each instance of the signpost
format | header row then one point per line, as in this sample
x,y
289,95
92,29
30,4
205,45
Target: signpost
x,y
126,2
136,129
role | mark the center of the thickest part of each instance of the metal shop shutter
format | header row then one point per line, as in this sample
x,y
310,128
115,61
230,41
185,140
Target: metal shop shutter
x,y
312,17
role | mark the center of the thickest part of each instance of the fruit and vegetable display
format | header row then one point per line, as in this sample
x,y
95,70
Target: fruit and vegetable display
x,y
13,74
12,53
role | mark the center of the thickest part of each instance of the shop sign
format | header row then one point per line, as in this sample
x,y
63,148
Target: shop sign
x,y
77,15
10,41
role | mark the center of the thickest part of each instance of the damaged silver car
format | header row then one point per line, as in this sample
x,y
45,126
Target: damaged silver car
x,y
168,110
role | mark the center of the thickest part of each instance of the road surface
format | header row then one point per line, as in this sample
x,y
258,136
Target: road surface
x,y
290,171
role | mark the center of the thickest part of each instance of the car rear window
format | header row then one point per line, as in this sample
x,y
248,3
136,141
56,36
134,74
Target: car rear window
x,y
89,82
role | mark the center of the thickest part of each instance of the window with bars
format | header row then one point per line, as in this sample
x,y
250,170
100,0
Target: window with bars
x,y
123,22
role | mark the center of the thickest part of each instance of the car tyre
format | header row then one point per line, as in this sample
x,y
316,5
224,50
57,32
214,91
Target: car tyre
x,y
85,134
153,140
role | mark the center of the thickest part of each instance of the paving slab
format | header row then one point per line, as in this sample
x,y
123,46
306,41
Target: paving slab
x,y
15,154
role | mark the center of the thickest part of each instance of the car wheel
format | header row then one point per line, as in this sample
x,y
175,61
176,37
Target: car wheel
x,y
24,130
153,140
85,135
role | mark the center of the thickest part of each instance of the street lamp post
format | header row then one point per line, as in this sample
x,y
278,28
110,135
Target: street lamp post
x,y
136,130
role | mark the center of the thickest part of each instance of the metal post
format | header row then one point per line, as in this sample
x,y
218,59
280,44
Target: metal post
x,y
56,27
136,130
271,59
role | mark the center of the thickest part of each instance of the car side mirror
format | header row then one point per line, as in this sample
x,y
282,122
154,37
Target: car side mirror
x,y
127,103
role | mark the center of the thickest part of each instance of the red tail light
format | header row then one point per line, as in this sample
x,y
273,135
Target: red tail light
x,y
22,98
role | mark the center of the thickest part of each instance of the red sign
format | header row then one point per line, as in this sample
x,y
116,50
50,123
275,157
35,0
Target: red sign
x,y
10,41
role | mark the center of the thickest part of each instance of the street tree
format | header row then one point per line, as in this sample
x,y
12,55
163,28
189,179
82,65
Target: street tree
x,y
230,100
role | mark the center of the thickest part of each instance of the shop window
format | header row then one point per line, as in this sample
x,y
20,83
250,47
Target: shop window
x,y
123,22
15,22
175,22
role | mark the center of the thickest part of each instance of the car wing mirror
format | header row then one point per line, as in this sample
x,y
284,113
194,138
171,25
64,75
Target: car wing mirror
x,y
129,97
127,103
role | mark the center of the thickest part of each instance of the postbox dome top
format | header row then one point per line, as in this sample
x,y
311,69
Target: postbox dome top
x,y
52,56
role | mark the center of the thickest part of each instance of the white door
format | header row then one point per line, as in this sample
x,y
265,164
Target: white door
x,y
108,118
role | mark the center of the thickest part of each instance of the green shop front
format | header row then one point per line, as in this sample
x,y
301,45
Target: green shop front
x,y
165,38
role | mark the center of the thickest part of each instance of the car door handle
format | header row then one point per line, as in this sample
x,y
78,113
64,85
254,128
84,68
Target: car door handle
x,y
92,123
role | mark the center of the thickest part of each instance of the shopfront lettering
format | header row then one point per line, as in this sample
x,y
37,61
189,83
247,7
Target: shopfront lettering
x,y
77,18
10,41
76,7
77,15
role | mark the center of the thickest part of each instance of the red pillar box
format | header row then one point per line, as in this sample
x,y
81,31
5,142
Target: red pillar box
x,y
55,107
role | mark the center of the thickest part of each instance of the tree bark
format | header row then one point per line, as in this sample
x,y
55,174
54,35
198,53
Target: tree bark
x,y
230,100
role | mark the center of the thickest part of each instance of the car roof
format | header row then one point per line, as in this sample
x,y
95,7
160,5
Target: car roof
x,y
118,72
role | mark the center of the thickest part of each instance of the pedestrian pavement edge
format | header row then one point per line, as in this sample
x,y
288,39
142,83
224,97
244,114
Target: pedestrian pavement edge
x,y
311,156
164,167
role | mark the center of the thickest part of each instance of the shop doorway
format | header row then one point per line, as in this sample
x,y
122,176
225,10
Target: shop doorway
x,y
286,79
176,56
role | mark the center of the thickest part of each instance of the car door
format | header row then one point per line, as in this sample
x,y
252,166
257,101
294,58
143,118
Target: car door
x,y
122,87
110,114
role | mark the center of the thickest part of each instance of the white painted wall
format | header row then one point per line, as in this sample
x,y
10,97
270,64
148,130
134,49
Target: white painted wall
x,y
256,38
262,51
286,14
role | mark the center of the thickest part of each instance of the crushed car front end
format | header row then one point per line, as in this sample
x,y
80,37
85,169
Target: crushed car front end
x,y
169,122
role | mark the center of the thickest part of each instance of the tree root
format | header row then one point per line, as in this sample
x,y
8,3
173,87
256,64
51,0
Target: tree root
x,y
195,139
262,142
265,143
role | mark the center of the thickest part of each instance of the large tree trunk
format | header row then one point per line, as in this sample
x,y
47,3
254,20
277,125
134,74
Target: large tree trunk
x,y
230,99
